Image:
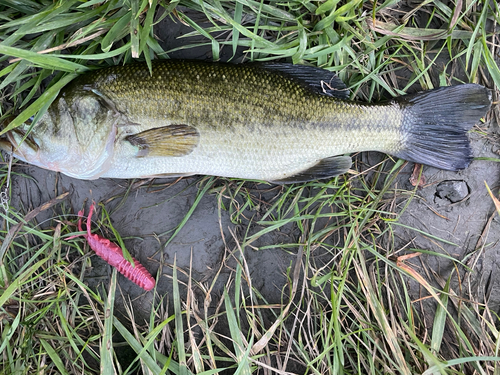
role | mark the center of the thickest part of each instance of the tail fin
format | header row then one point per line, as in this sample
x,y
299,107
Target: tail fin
x,y
436,122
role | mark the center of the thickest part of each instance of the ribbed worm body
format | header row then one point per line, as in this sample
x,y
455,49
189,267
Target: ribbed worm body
x,y
113,254
137,274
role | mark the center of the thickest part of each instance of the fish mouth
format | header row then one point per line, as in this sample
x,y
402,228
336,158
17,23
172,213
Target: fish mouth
x,y
5,145
17,141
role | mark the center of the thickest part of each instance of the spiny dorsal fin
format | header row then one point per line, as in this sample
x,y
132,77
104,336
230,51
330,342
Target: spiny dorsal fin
x,y
325,168
172,140
321,81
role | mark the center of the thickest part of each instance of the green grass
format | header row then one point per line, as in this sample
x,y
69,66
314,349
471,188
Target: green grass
x,y
350,314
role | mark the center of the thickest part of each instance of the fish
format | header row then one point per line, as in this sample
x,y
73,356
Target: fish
x,y
274,122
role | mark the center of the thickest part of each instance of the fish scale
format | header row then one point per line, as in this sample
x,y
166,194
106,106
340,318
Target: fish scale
x,y
267,121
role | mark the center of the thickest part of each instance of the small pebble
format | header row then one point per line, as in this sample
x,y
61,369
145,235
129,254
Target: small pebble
x,y
454,191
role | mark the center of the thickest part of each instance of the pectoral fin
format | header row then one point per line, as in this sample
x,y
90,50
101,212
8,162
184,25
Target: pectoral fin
x,y
172,140
325,168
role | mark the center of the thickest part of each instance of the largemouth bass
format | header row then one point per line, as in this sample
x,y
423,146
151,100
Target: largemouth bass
x,y
276,122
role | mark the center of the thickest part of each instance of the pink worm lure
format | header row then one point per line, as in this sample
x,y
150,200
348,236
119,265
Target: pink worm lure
x,y
113,254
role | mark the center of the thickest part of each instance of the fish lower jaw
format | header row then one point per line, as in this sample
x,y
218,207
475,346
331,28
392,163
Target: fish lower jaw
x,y
69,170
92,174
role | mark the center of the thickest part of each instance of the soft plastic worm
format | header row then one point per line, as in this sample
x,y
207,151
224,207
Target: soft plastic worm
x,y
113,254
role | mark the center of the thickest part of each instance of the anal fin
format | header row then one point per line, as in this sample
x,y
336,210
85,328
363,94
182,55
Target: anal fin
x,y
172,140
324,168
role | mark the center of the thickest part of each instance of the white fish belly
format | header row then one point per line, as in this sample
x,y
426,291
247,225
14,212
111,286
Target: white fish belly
x,y
263,153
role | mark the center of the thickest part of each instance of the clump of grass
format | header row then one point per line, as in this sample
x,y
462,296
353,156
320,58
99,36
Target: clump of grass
x,y
48,317
352,313
349,313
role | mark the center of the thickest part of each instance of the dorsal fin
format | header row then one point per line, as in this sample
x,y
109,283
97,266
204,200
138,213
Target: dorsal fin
x,y
321,81
171,140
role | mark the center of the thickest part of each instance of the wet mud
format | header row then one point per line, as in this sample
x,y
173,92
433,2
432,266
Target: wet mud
x,y
456,217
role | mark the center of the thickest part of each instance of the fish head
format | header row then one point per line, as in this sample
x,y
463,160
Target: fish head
x,y
75,136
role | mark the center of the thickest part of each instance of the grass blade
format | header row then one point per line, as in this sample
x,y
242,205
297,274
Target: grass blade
x,y
179,327
107,366
239,348
148,360
42,102
440,320
54,357
43,60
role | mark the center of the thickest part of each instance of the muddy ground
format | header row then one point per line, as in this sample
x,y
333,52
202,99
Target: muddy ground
x,y
456,207
452,206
